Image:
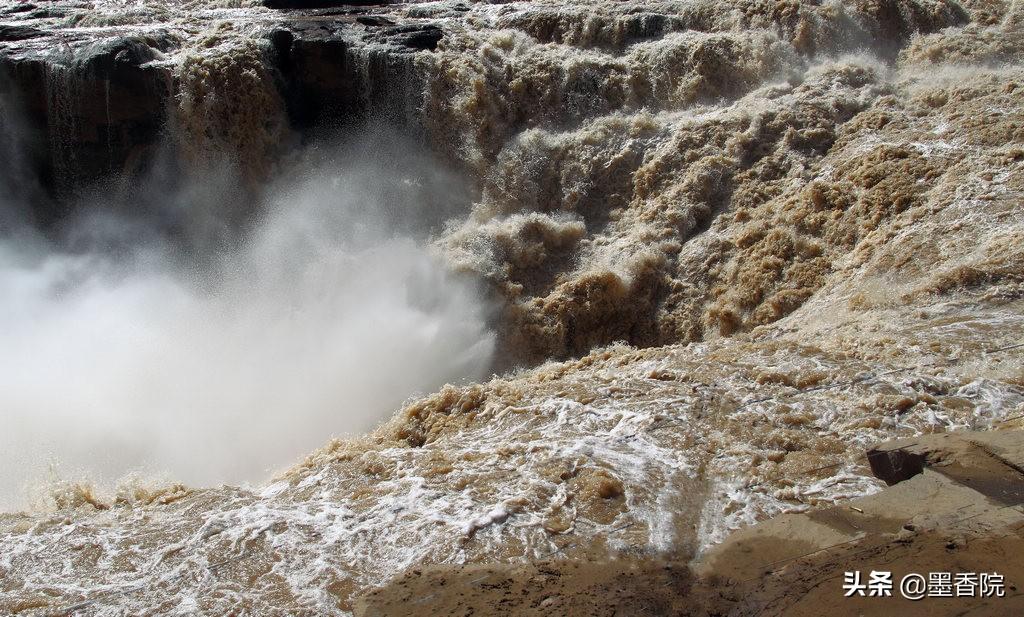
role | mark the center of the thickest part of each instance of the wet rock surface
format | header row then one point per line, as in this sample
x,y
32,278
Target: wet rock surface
x,y
19,33
318,4
100,111
791,565
946,518
102,98
729,246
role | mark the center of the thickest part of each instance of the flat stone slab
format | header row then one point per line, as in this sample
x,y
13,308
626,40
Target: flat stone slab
x,y
938,482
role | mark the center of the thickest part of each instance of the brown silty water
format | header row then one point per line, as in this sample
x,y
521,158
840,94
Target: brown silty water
x,y
733,244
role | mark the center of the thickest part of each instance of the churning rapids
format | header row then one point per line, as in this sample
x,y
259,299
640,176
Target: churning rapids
x,y
713,250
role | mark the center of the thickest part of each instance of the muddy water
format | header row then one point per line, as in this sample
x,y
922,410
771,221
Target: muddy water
x,y
757,238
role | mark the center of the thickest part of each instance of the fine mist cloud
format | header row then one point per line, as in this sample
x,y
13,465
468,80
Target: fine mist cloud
x,y
121,351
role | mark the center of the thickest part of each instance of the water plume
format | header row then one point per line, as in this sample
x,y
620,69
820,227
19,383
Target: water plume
x,y
120,352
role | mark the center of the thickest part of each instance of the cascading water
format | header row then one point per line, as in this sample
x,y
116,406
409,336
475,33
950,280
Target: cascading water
x,y
720,249
63,91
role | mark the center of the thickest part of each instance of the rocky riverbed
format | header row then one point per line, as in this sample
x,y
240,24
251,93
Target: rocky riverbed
x,y
721,249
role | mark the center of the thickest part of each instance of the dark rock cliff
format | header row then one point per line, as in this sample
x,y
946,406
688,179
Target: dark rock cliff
x,y
94,113
98,105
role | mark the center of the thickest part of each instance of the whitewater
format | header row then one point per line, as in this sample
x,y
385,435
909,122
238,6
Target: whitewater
x,y
297,301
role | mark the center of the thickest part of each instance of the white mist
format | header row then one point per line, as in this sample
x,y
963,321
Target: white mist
x,y
321,321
